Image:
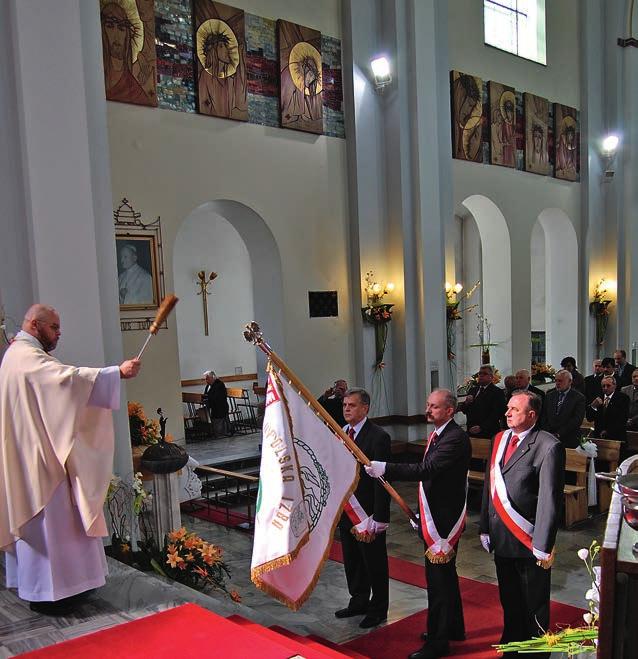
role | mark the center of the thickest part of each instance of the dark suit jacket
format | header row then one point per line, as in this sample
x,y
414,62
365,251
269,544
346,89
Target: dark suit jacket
x,y
578,382
612,419
593,388
485,410
565,424
216,400
334,407
625,379
443,472
534,478
633,405
374,441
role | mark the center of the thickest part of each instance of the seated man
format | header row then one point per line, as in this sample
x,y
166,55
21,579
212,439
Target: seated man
x,y
332,401
216,402
484,405
578,381
610,413
564,411
632,393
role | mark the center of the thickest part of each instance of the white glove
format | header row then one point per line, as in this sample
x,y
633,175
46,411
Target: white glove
x,y
375,469
379,527
485,541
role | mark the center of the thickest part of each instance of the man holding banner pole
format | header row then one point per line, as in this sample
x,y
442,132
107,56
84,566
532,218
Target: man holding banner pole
x,y
442,505
365,520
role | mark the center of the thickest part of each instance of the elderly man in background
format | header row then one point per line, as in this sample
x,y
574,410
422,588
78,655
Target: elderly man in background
x,y
578,381
632,393
332,401
610,412
523,383
215,399
564,411
484,405
624,369
56,434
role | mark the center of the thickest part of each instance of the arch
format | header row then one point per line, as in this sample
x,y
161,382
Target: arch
x,y
495,268
265,261
561,284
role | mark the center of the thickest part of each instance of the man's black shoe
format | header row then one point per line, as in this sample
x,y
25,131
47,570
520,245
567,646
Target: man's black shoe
x,y
460,637
430,651
61,608
349,613
372,621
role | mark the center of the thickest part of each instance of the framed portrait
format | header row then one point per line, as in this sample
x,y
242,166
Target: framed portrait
x,y
137,270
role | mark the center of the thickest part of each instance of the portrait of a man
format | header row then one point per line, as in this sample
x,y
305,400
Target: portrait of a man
x,y
135,267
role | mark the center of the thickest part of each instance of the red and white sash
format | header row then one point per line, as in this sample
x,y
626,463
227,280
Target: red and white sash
x,y
521,528
438,549
361,521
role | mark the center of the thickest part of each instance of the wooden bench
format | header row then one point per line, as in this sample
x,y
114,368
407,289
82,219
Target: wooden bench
x,y
631,447
481,450
609,455
575,495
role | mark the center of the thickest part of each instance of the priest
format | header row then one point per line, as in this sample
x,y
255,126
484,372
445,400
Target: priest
x,y
56,442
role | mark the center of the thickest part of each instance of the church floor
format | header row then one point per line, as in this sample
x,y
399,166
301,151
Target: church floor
x,y
130,594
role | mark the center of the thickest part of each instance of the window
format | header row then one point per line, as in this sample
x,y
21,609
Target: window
x,y
517,26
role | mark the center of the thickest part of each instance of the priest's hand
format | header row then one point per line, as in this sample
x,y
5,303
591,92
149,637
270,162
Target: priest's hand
x,y
375,469
130,368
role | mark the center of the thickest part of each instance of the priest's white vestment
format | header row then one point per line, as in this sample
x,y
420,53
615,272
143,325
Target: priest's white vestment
x,y
56,451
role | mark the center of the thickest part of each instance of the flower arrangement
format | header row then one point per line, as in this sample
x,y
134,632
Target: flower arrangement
x,y
599,309
144,431
454,311
573,641
186,558
378,313
484,332
540,372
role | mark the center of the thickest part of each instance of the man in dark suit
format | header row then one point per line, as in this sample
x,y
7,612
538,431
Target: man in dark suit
x,y
523,383
522,501
578,381
592,382
366,563
564,411
632,393
623,369
610,412
484,405
216,401
332,401
443,476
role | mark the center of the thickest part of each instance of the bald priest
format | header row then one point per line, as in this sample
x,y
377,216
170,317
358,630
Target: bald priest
x,y
56,442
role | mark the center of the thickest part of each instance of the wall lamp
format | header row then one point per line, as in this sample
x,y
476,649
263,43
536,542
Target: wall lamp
x,y
381,72
609,150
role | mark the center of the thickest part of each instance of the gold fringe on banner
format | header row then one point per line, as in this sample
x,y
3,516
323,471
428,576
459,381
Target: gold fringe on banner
x,y
362,537
439,559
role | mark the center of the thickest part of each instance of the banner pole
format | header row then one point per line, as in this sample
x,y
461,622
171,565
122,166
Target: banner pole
x,y
253,334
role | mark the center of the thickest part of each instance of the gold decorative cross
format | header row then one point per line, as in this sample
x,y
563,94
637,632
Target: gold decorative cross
x,y
203,284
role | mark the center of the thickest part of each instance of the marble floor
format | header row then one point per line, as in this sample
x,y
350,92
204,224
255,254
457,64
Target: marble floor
x,y
130,594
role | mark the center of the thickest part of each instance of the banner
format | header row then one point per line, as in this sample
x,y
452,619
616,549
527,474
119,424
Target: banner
x,y
306,476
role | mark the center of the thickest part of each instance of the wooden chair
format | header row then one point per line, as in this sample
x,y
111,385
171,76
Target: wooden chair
x,y
609,455
481,452
575,495
240,411
194,425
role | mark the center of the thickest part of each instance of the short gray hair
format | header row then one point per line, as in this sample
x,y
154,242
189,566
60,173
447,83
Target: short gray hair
x,y
564,371
449,398
487,367
533,400
358,391
211,373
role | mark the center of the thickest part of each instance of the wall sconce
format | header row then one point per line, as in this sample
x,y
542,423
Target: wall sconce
x,y
376,291
203,283
609,150
452,290
381,72
599,309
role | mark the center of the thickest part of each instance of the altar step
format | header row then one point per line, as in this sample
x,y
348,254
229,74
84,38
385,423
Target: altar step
x,y
313,646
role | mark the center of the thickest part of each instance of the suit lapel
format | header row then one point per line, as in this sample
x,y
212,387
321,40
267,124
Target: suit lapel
x,y
522,450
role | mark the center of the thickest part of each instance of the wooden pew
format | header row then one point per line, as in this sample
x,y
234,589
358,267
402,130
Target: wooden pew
x,y
481,450
609,455
575,495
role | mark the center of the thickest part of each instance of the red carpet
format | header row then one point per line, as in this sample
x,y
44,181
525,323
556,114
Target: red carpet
x,y
218,515
481,609
186,631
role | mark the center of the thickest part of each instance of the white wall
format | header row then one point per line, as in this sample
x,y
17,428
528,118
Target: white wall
x,y
539,265
208,241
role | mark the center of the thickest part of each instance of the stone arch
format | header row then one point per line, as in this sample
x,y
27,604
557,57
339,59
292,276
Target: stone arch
x,y
265,262
561,284
495,270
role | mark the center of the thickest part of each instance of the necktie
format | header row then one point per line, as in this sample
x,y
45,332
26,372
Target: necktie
x,y
606,401
511,448
480,391
351,433
431,440
561,400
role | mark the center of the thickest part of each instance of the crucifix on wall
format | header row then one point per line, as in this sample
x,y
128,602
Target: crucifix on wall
x,y
203,284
